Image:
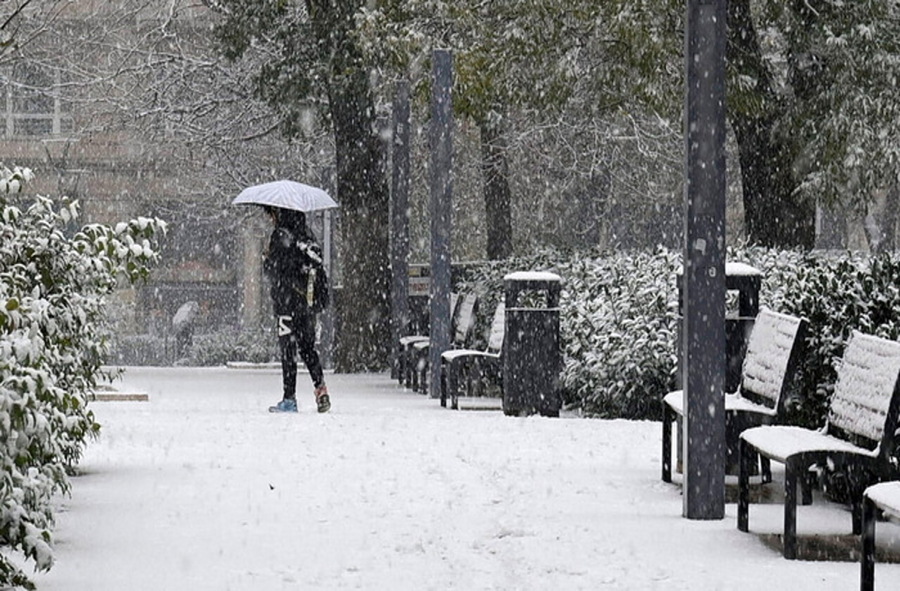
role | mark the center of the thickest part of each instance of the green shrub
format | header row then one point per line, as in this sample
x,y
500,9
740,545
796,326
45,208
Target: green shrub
x,y
53,288
619,319
838,295
219,348
619,328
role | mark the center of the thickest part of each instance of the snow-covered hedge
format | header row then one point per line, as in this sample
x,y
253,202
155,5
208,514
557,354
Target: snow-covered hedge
x,y
619,327
839,294
619,318
53,283
618,322
221,347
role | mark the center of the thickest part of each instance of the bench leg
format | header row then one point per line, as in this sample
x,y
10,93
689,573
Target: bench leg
x,y
423,373
765,467
745,456
807,484
860,478
445,367
856,510
413,372
867,558
409,367
667,419
450,384
453,385
790,510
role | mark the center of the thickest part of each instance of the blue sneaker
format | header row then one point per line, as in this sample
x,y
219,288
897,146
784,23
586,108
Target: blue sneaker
x,y
286,405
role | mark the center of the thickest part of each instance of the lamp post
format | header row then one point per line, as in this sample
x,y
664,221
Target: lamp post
x,y
704,261
441,201
399,219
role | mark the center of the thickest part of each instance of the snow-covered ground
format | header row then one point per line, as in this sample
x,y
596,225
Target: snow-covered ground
x,y
201,489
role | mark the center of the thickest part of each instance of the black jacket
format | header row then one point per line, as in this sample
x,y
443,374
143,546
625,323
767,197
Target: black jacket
x,y
291,255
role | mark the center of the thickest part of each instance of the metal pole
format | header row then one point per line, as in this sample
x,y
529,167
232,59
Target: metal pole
x,y
704,261
441,199
328,318
399,220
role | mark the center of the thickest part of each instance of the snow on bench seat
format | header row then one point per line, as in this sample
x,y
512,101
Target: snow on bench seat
x,y
886,496
781,442
733,402
457,353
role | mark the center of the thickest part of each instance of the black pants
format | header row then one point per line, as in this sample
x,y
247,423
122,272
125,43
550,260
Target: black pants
x,y
297,333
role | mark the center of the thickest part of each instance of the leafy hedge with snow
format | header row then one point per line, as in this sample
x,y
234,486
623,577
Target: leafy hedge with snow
x,y
619,318
838,295
221,347
53,283
618,324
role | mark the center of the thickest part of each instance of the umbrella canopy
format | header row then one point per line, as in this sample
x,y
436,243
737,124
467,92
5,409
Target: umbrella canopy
x,y
286,195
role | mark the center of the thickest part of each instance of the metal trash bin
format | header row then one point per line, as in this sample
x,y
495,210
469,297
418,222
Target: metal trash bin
x,y
746,281
532,352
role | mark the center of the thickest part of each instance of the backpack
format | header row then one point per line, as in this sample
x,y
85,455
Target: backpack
x,y
315,292
310,282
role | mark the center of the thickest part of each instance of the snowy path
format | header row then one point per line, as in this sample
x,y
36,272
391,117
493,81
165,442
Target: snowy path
x,y
201,489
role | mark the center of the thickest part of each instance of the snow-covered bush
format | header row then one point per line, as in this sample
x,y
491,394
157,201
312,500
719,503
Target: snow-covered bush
x,y
141,349
218,348
838,295
618,315
619,318
53,283
619,325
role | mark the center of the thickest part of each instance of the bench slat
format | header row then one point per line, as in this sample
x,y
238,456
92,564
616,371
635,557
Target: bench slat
x,y
866,380
768,354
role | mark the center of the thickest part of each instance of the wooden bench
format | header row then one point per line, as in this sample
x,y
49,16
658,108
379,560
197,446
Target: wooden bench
x,y
881,498
405,364
856,443
457,363
461,331
773,353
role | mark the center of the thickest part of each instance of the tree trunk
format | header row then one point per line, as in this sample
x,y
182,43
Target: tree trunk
x,y
772,215
831,227
497,194
891,203
363,341
880,223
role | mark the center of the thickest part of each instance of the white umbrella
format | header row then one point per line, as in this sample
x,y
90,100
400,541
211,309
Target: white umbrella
x,y
286,195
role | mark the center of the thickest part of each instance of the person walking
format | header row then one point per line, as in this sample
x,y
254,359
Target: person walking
x,y
299,290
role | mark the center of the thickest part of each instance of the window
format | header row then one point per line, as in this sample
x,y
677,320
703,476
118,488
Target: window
x,y
32,106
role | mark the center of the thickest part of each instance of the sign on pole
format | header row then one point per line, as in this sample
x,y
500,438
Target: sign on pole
x,y
704,261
